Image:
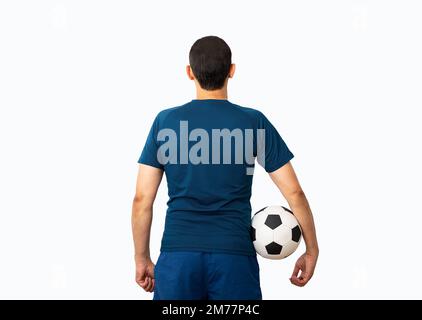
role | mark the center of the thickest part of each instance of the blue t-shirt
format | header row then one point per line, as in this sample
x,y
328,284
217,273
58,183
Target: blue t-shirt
x,y
207,150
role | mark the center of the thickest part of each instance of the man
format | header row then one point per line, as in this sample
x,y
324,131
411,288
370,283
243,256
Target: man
x,y
207,149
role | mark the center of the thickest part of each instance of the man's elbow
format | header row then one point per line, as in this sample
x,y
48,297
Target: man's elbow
x,y
296,197
142,204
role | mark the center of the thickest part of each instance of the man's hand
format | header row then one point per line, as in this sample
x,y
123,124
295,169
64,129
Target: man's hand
x,y
306,266
145,274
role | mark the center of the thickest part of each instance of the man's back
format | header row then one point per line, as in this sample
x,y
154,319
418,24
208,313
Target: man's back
x,y
207,150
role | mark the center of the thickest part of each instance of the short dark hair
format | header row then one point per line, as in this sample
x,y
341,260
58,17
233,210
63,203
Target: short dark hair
x,y
210,59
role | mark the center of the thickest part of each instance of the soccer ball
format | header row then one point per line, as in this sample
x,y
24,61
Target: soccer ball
x,y
275,232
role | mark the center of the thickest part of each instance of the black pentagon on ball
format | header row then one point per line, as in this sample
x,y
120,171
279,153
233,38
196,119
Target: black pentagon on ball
x,y
273,221
253,233
273,248
296,233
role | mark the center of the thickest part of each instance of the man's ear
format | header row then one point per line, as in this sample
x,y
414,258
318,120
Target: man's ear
x,y
232,70
189,72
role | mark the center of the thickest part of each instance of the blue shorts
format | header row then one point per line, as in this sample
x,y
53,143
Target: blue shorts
x,y
188,275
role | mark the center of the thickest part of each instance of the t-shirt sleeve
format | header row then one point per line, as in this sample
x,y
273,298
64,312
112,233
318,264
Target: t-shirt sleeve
x,y
149,152
276,153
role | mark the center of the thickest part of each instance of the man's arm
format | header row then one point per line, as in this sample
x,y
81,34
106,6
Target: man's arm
x,y
286,180
147,184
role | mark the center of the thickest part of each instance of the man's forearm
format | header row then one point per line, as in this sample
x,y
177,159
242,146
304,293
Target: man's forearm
x,y
141,228
302,211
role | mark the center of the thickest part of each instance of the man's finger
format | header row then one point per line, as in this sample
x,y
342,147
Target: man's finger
x,y
148,287
143,283
139,277
296,271
297,281
139,282
148,284
153,285
306,277
302,280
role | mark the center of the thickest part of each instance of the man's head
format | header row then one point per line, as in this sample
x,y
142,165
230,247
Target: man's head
x,y
210,63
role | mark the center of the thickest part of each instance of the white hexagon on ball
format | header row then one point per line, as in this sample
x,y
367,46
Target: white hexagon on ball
x,y
265,235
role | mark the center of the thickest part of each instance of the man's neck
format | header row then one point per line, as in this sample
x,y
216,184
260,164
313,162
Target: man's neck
x,y
220,94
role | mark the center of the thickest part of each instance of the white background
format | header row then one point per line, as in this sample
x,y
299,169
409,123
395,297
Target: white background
x,y
81,81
